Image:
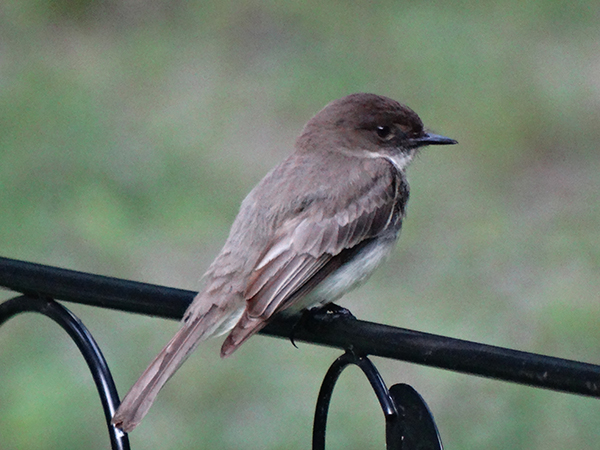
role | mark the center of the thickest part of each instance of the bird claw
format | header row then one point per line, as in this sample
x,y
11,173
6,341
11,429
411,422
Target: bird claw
x,y
331,312
323,314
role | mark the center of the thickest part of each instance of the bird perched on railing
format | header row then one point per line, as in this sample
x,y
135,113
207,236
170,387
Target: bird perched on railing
x,y
314,228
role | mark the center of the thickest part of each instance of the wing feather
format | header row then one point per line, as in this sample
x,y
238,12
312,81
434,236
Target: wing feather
x,y
303,250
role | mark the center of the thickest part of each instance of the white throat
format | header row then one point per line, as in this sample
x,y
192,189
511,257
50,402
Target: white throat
x,y
399,160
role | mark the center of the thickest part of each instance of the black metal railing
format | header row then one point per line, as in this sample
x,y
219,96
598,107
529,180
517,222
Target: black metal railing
x,y
408,422
87,346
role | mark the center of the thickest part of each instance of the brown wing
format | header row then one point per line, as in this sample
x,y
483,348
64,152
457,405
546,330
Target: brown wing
x,y
302,252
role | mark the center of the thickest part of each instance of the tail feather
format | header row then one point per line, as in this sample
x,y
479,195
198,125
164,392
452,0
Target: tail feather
x,y
142,394
243,330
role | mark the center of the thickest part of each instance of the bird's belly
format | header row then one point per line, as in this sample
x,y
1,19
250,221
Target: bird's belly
x,y
349,276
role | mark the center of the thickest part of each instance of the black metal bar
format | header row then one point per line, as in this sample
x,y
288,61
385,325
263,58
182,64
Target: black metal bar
x,y
449,353
365,337
88,348
95,290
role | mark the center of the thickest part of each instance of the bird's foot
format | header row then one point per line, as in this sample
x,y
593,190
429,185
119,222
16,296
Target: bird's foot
x,y
330,312
325,314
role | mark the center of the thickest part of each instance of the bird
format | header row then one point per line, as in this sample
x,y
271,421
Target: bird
x,y
315,227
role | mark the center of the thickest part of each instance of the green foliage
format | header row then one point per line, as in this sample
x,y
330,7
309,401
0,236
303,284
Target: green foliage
x,y
130,132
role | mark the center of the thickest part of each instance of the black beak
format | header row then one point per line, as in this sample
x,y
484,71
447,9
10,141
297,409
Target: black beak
x,y
432,139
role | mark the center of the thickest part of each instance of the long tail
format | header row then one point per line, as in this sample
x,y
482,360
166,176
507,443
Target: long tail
x,y
142,394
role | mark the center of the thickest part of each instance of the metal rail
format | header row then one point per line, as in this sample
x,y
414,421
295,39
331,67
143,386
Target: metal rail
x,y
40,284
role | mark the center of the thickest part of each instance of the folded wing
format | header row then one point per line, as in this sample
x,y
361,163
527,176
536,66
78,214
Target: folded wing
x,y
309,247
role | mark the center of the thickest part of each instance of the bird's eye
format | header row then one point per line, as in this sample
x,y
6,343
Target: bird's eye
x,y
384,132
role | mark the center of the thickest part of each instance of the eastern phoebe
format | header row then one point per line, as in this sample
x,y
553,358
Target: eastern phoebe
x,y
314,228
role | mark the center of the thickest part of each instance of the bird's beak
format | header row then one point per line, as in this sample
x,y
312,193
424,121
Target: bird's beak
x,y
432,139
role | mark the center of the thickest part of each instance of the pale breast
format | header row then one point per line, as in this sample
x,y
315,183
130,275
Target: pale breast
x,y
350,275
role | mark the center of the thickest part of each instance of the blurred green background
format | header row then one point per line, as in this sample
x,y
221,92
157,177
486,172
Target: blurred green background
x,y
130,131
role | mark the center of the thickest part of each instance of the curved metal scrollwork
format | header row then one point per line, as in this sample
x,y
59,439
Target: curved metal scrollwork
x,y
88,348
409,423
